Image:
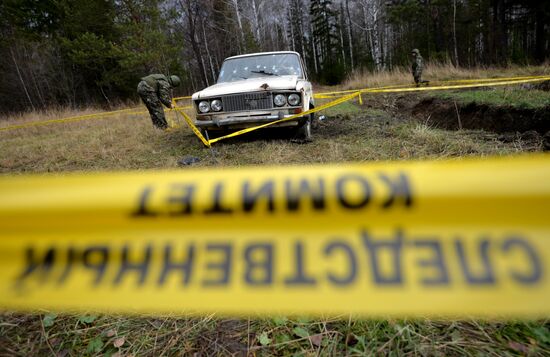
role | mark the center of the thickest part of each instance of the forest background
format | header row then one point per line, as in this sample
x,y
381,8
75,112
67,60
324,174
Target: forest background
x,y
75,53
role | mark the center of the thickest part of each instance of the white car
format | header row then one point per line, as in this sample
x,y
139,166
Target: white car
x,y
255,89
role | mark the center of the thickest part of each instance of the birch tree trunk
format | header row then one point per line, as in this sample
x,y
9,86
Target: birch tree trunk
x,y
213,72
350,37
256,21
313,45
454,34
21,78
192,33
342,44
291,27
376,49
239,23
367,32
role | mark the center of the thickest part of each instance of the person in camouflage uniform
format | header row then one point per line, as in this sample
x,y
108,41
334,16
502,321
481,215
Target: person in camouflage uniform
x,y
154,91
417,67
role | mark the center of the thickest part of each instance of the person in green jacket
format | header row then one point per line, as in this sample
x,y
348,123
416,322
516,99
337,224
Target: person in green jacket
x,y
154,91
417,67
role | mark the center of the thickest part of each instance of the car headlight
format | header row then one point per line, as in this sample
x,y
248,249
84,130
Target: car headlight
x,y
216,105
294,99
204,107
279,100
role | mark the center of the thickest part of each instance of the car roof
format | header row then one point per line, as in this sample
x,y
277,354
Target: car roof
x,y
263,54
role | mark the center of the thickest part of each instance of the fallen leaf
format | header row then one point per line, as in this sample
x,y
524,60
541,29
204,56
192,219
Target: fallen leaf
x,y
456,336
282,338
516,346
280,320
316,339
87,319
118,342
542,334
95,345
264,339
301,332
49,319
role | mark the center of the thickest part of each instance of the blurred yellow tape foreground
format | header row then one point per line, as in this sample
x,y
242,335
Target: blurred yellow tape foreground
x,y
439,239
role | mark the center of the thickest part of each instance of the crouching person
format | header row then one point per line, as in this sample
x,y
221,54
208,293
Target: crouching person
x,y
154,91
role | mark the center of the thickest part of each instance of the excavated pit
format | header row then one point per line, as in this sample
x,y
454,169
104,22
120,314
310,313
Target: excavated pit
x,y
445,114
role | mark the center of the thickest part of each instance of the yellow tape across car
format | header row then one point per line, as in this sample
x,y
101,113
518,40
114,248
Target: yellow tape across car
x,y
438,239
349,95
209,142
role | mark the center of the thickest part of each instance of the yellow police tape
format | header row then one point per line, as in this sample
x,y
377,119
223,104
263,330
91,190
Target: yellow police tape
x,y
487,82
435,84
440,239
293,117
181,98
101,115
75,118
458,86
189,122
209,142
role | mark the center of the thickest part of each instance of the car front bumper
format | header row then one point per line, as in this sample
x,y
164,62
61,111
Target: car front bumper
x,y
244,120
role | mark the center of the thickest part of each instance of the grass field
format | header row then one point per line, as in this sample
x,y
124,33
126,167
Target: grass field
x,y
378,130
438,72
516,98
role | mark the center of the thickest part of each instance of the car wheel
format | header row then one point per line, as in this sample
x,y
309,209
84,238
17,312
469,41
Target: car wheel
x,y
303,132
312,118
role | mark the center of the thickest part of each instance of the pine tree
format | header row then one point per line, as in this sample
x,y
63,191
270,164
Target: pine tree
x,y
325,30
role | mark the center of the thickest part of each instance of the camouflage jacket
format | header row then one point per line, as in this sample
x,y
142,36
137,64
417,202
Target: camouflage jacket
x,y
162,87
417,66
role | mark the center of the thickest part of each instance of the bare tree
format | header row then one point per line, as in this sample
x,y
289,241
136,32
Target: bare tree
x,y
191,9
235,4
350,37
21,79
454,34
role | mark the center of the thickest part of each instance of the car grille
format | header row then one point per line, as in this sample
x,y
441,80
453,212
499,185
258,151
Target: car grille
x,y
247,101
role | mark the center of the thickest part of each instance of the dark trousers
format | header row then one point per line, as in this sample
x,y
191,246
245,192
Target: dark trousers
x,y
151,100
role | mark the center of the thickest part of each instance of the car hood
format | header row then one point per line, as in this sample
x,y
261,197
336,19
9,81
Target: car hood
x,y
248,85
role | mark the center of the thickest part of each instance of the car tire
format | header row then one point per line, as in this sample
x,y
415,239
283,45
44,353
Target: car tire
x,y
312,118
303,131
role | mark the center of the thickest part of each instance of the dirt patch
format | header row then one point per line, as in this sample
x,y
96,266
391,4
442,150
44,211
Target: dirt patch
x,y
446,115
545,86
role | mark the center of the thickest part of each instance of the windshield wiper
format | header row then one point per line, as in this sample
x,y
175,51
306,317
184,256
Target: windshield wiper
x,y
266,73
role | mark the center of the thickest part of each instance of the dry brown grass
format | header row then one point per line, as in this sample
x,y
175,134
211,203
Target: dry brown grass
x,y
54,113
129,142
436,72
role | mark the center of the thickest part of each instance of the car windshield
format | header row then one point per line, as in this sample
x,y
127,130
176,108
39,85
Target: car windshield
x,y
273,65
